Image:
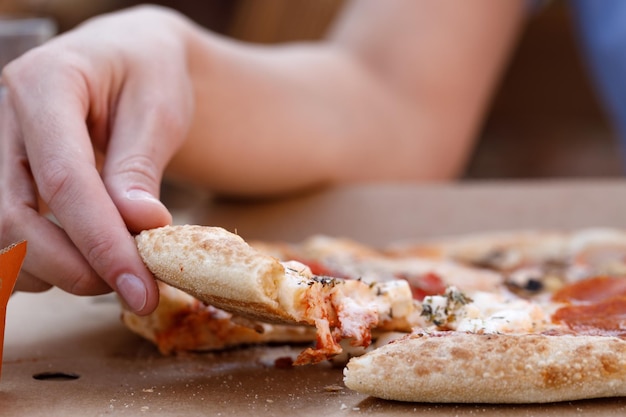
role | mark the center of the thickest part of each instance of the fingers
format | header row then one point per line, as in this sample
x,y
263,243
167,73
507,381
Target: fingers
x,y
52,259
51,114
133,102
29,283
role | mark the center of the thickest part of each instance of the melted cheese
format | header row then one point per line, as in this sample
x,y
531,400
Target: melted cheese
x,y
341,308
487,313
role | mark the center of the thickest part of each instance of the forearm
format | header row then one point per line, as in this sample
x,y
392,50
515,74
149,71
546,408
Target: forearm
x,y
270,120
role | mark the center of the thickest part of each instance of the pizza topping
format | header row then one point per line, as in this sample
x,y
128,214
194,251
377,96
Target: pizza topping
x,y
356,314
442,310
527,279
483,312
601,260
499,259
599,251
592,290
345,292
321,270
595,306
340,309
425,284
533,280
607,317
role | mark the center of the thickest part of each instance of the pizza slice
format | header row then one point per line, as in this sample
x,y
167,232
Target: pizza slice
x,y
464,367
562,338
498,348
525,317
221,270
182,323
529,260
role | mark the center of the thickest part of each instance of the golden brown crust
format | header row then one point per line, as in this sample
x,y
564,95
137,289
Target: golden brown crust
x,y
217,267
222,270
181,323
473,368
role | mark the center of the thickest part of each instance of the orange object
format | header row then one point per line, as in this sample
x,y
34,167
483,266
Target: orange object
x,y
11,259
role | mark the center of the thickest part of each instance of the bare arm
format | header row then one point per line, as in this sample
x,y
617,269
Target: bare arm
x,y
396,91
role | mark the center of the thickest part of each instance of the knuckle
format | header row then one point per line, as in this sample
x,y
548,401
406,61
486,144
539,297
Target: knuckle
x,y
22,69
138,168
8,219
79,281
14,216
99,249
64,65
173,120
81,284
55,182
11,72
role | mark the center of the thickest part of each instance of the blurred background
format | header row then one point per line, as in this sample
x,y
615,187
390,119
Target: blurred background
x,y
544,122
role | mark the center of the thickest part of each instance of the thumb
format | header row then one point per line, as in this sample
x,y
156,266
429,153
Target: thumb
x,y
134,185
149,126
141,146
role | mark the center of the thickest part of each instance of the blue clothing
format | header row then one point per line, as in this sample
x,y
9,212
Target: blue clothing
x,y
602,31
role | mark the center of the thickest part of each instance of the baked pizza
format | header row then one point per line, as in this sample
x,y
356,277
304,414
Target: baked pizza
x,y
260,298
516,317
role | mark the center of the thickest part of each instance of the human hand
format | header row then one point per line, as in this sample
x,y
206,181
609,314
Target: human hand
x,y
116,86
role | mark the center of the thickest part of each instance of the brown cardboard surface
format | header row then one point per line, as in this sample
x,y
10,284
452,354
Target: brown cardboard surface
x,y
118,373
379,214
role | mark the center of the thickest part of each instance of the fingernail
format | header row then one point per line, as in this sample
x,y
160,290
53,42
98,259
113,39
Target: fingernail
x,y
141,195
132,290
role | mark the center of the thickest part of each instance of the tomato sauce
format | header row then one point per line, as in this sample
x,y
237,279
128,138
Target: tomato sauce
x,y
321,270
423,285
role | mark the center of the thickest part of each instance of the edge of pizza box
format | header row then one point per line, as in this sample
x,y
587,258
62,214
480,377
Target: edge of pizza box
x,y
383,213
374,213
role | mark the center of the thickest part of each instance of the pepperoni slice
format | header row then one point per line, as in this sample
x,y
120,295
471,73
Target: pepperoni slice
x,y
607,317
424,284
592,290
321,270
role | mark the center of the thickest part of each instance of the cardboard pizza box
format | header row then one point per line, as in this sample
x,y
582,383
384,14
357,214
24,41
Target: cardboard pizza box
x,y
71,356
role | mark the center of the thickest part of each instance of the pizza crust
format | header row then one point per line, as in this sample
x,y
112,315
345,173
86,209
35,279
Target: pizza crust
x,y
181,323
499,359
451,367
218,268
506,250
